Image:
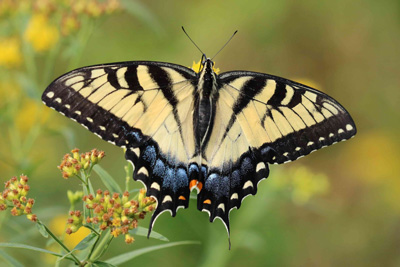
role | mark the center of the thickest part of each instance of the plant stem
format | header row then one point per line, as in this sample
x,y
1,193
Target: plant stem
x,y
77,261
101,247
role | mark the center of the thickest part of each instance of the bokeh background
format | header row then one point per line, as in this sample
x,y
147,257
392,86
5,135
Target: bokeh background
x,y
338,206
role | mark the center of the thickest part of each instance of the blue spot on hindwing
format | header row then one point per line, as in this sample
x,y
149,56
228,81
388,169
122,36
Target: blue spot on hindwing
x,y
159,168
150,155
182,178
175,179
204,171
235,178
217,185
169,177
136,136
193,169
246,166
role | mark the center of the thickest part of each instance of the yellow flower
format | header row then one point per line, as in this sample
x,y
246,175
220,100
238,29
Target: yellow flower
x,y
10,55
57,225
31,113
40,33
197,67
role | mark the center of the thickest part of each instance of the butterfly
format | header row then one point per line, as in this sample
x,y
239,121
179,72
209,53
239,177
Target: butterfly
x,y
185,130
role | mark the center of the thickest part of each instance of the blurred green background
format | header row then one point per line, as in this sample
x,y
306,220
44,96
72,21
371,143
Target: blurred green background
x,y
338,206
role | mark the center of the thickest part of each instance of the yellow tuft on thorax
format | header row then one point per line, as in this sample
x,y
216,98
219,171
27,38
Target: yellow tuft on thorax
x,y
197,67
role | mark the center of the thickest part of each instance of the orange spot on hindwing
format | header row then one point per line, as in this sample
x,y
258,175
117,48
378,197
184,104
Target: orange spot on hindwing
x,y
199,186
182,198
192,184
207,201
196,184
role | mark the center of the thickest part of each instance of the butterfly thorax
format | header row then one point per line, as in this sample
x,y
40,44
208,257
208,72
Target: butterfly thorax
x,y
204,111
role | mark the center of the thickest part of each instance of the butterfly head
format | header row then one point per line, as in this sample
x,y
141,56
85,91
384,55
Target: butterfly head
x,y
204,64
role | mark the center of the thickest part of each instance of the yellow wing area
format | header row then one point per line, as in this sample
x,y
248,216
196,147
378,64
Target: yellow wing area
x,y
155,101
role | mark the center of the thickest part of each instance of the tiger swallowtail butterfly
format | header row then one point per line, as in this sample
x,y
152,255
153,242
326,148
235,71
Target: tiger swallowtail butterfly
x,y
185,130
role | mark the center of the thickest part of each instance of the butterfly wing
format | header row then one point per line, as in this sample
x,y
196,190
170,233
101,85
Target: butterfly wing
x,y
145,107
261,119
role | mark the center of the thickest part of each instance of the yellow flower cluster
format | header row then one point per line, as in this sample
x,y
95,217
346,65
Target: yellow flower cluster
x,y
74,221
14,194
10,55
41,33
72,164
89,7
94,8
49,19
120,214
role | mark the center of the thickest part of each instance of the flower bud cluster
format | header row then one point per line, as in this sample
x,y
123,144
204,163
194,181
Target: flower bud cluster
x,y
74,221
119,213
14,195
73,164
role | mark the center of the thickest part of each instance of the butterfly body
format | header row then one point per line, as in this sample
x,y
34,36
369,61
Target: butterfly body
x,y
184,130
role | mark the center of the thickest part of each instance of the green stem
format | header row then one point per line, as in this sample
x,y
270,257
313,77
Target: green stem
x,y
102,246
77,261
83,181
83,37
91,229
127,177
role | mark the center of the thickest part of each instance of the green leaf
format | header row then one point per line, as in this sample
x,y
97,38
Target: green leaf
x,y
142,231
107,179
9,259
23,246
133,254
103,264
89,240
42,229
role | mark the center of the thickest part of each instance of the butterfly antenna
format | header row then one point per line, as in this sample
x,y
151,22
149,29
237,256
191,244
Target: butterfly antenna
x,y
192,40
224,45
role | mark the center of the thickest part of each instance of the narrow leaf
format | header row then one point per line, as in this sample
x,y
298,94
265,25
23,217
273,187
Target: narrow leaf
x,y
142,231
23,246
88,241
9,259
133,254
107,179
42,229
103,264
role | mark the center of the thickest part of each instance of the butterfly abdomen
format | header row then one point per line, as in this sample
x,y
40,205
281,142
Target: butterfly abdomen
x,y
205,104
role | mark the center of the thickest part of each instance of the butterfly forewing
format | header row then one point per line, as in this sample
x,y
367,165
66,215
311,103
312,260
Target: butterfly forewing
x,y
287,117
